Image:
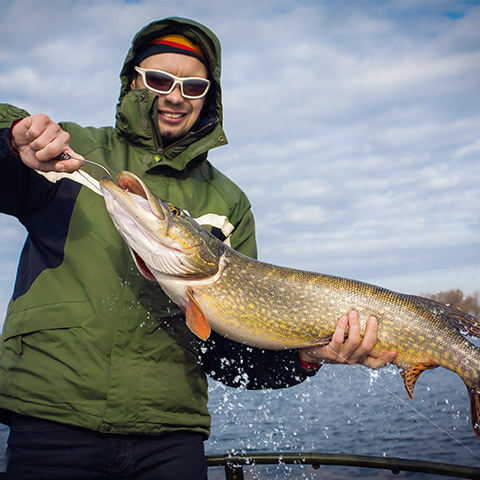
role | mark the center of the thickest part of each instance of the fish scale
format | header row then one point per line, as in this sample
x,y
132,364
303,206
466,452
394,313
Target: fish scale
x,y
288,294
274,307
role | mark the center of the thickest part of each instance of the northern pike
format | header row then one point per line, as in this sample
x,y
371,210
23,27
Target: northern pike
x,y
274,307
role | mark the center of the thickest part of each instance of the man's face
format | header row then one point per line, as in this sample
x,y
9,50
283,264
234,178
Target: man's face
x,y
176,114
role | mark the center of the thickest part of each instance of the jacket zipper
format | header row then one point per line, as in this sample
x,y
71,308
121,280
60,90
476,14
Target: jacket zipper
x,y
163,151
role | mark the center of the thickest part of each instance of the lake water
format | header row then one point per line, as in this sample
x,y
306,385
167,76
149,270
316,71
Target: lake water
x,y
350,410
345,409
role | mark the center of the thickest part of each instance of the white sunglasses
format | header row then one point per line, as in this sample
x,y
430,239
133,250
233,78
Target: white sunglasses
x,y
162,82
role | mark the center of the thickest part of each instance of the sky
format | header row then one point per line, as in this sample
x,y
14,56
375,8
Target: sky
x,y
353,126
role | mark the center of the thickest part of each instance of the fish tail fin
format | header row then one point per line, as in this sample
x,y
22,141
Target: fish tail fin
x,y
474,396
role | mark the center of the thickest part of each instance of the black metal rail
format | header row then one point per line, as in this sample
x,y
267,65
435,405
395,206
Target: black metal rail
x,y
234,463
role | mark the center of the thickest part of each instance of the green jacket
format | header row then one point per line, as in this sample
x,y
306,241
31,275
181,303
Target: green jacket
x,y
87,340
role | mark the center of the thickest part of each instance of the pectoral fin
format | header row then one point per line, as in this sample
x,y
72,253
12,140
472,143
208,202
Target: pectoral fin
x,y
196,320
410,376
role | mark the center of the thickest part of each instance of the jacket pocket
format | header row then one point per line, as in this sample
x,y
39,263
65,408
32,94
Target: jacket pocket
x,y
45,317
45,363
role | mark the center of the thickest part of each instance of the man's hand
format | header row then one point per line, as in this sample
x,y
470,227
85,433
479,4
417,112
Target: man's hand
x,y
39,141
353,349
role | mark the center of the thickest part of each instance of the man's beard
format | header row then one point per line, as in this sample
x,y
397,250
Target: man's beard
x,y
170,137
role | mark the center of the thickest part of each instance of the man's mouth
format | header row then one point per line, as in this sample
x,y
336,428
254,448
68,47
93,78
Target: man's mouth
x,y
172,115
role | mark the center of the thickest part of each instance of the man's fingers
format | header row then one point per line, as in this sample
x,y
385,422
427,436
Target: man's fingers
x,y
38,138
353,349
353,328
381,361
50,144
19,132
33,127
40,141
360,349
69,166
338,336
370,336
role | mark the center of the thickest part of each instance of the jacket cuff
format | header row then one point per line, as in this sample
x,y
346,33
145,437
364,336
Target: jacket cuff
x,y
10,137
6,147
310,369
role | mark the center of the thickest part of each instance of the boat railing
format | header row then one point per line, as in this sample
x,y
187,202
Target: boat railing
x,y
234,463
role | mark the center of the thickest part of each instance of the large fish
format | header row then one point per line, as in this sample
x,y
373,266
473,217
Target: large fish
x,y
274,307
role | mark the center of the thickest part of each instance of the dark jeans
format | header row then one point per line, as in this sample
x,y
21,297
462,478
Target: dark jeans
x,y
40,449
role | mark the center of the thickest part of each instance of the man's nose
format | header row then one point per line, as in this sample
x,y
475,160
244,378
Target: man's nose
x,y
175,96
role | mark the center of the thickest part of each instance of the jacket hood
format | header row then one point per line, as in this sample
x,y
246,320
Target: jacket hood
x,y
211,118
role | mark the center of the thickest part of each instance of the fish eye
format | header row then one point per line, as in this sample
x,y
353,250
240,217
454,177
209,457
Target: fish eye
x,y
175,210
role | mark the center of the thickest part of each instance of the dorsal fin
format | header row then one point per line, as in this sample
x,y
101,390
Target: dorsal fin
x,y
463,322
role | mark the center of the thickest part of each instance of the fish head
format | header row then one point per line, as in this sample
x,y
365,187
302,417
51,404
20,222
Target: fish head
x,y
165,241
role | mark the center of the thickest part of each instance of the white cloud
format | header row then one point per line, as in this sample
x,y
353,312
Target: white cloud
x,y
470,149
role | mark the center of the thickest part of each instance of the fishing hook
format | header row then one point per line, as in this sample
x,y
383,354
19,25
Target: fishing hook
x,y
67,156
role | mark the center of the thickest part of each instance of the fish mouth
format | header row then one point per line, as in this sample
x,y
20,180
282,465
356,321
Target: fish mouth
x,y
130,184
126,181
136,210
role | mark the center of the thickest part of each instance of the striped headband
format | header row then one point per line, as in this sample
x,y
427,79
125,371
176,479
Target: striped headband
x,y
171,44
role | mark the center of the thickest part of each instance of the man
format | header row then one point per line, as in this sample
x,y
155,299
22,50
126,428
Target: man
x,y
98,368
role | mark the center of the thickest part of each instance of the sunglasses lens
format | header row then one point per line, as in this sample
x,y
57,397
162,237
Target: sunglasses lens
x,y
159,81
194,88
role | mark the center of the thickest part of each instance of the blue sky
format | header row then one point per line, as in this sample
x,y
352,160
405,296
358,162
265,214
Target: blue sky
x,y
353,125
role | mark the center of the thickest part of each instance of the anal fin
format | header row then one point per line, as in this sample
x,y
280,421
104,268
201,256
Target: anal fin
x,y
410,376
196,319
